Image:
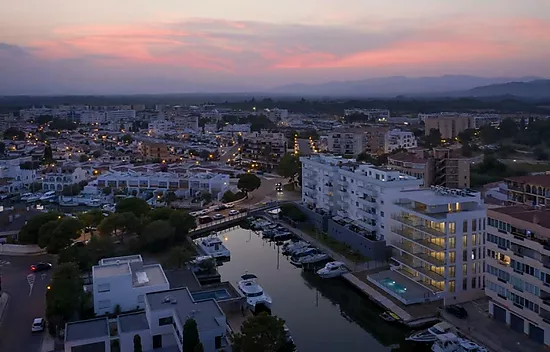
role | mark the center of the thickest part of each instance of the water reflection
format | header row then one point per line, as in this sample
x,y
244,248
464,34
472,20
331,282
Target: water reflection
x,y
323,315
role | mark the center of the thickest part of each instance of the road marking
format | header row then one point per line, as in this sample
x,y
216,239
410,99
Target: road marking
x,y
4,262
43,276
30,280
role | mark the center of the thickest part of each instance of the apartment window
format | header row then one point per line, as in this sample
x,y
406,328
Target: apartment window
x,y
499,290
465,241
465,226
382,214
474,239
452,242
103,288
104,304
474,257
465,255
474,225
464,269
452,285
464,284
165,321
452,270
473,282
452,227
452,257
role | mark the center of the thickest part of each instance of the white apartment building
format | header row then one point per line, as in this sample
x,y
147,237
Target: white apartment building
x,y
276,114
66,176
10,168
188,184
347,142
397,139
372,114
360,192
517,277
124,281
438,249
483,120
92,117
117,115
238,127
161,126
187,123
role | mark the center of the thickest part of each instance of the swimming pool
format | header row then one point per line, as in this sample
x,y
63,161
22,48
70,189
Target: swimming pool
x,y
218,295
393,286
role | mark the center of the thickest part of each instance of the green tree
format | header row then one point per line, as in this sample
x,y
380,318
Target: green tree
x,y
205,196
157,236
508,128
162,213
127,139
91,218
433,139
466,136
199,347
64,296
170,197
178,256
190,338
119,225
290,166
29,232
540,154
48,153
83,158
137,343
262,333
96,154
182,223
249,182
58,234
228,197
134,205
107,190
14,134
35,187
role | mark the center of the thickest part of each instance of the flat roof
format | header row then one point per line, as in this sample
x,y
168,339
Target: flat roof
x,y
430,197
102,271
204,312
538,180
133,322
126,258
147,275
539,217
87,329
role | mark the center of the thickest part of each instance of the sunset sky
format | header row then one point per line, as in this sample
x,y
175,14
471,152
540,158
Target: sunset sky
x,y
160,46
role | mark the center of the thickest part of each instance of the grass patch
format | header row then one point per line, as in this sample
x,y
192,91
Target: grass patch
x,y
337,246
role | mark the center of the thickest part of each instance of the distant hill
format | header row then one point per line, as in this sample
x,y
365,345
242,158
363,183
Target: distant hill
x,y
398,85
533,89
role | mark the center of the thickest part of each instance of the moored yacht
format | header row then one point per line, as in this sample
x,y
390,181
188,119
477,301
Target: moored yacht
x,y
332,269
254,293
48,196
451,343
213,246
430,335
309,256
292,247
34,197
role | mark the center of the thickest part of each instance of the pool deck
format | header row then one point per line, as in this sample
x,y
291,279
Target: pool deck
x,y
413,316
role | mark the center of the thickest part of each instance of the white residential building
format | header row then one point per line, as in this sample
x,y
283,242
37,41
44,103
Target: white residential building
x,y
123,282
437,237
397,139
243,128
117,115
517,277
65,176
188,184
276,114
187,123
371,114
360,192
347,142
483,120
92,117
161,126
10,169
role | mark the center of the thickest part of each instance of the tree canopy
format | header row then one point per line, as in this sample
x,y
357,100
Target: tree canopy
x,y
59,234
14,134
134,205
29,232
289,166
190,338
249,182
262,333
65,295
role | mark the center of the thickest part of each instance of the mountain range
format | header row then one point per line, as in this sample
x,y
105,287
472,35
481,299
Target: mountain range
x,y
448,85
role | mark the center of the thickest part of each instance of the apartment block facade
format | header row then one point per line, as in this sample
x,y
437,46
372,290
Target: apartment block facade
x,y
437,240
449,125
397,139
517,278
347,142
264,147
528,190
360,193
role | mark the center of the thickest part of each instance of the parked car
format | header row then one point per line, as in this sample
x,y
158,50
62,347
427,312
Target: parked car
x,y
205,219
40,267
243,210
218,216
221,207
233,212
457,311
38,324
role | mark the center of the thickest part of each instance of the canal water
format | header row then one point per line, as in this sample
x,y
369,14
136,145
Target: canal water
x,y
323,315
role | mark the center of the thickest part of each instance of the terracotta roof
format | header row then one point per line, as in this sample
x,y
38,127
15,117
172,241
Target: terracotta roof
x,y
526,213
539,180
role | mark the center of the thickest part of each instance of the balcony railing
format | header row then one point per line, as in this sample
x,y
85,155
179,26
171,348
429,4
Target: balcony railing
x,y
417,224
426,272
418,240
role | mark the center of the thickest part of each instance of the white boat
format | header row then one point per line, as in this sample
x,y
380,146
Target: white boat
x,y
68,202
109,207
260,224
332,269
451,343
255,295
311,258
34,198
25,196
291,247
430,335
213,246
89,202
48,196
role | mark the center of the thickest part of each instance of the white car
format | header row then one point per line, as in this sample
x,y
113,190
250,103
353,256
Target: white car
x,y
38,324
218,216
233,212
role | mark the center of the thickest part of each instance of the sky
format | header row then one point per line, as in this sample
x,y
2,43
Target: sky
x,y
164,46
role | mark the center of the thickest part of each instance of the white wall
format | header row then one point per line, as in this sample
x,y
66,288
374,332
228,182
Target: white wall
x,y
127,340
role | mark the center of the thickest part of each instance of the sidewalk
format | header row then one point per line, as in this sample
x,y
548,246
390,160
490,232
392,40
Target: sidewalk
x,y
4,299
48,343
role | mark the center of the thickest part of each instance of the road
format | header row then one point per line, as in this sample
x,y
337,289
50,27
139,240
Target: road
x,y
25,303
267,192
227,153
